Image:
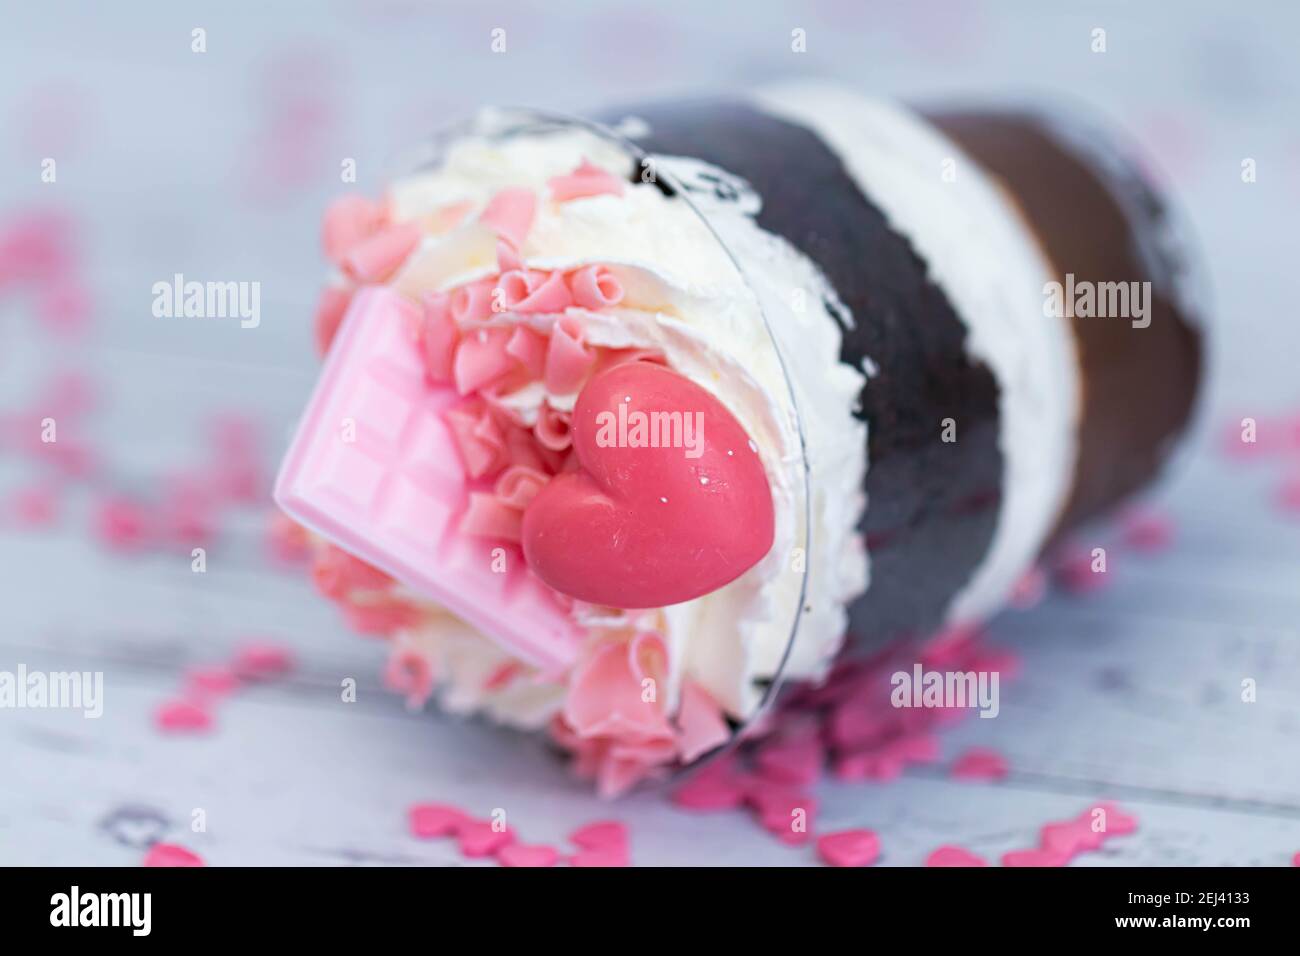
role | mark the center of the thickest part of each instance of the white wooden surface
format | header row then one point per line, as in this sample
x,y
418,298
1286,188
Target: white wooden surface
x,y
1131,694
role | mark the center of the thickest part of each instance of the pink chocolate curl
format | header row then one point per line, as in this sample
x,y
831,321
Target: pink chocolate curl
x,y
478,437
553,429
585,181
487,516
337,574
377,258
508,258
549,295
529,349
568,360
700,723
481,358
410,674
349,221
472,302
510,214
522,450
647,656
513,287
439,336
519,485
606,700
595,287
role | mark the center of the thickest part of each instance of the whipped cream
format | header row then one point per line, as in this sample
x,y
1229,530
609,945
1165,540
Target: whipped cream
x,y
686,297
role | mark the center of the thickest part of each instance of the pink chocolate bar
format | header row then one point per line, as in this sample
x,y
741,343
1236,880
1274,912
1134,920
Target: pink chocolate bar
x,y
374,469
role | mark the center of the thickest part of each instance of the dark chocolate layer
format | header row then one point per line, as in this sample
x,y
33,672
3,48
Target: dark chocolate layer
x,y
932,505
1139,384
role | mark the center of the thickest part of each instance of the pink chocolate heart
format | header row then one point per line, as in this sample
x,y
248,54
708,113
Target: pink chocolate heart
x,y
670,500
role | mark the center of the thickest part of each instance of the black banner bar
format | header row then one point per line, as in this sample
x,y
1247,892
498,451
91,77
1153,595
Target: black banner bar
x,y
335,905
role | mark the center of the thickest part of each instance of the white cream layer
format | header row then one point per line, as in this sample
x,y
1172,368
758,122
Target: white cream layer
x,y
980,252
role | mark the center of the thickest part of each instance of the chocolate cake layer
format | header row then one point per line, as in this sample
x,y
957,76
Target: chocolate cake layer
x,y
932,505
1098,219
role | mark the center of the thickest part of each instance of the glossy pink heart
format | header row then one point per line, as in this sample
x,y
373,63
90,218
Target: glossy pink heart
x,y
670,500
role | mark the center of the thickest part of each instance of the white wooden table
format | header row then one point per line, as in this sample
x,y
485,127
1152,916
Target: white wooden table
x,y
170,165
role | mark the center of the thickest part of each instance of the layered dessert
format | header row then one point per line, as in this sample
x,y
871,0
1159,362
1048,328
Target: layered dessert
x,y
622,425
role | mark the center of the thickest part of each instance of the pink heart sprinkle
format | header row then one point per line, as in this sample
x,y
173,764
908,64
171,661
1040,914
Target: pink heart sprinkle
x,y
183,716
849,848
216,680
1118,823
778,811
430,820
915,748
868,765
716,787
601,835
287,541
1069,838
1029,590
1147,531
523,854
855,723
121,524
1234,447
979,763
65,307
1033,857
1288,494
770,800
1295,860
790,836
607,857
797,762
35,507
1073,573
240,481
954,856
233,434
262,660
169,854
478,838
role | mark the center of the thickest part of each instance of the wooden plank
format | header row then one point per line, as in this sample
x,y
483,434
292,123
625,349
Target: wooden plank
x,y
296,776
